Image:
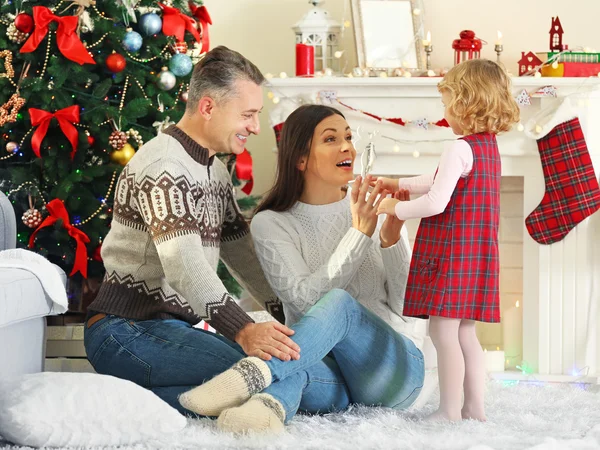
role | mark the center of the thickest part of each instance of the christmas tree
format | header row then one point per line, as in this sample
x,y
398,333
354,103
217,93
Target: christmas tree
x,y
84,85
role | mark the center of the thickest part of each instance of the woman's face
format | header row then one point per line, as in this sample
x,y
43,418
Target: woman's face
x,y
332,154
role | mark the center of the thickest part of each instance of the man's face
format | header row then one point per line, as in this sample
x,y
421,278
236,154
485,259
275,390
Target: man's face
x,y
235,118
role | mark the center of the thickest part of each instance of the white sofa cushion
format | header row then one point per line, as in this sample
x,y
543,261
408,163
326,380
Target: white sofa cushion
x,y
82,409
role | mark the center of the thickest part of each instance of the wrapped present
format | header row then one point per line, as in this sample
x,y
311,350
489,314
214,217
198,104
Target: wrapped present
x,y
571,69
578,57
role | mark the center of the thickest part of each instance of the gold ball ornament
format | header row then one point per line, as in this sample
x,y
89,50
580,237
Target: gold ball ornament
x,y
128,152
123,155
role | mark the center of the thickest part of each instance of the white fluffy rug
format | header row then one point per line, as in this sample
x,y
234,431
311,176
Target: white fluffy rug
x,y
522,416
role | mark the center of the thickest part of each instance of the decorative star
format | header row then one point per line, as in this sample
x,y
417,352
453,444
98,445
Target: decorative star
x,y
10,72
422,123
524,99
549,91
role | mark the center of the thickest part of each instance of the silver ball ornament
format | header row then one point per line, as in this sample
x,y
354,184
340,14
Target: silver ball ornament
x,y
166,80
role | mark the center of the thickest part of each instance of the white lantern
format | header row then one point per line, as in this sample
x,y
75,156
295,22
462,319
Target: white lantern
x,y
317,29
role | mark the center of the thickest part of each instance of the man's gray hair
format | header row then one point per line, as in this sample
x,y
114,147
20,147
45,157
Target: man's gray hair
x,y
215,76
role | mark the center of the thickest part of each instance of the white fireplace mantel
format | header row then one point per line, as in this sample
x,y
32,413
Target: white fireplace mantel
x,y
561,299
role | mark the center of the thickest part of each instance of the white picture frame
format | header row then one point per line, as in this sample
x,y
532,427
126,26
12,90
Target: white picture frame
x,y
388,34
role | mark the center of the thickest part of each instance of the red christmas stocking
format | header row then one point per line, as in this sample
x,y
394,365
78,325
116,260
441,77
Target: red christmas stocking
x,y
572,191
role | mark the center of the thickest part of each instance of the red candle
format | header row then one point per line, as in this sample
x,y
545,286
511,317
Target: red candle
x,y
305,60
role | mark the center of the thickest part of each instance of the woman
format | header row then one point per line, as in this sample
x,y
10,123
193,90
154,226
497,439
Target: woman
x,y
321,248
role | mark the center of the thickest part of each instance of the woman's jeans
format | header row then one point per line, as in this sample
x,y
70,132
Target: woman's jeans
x,y
373,364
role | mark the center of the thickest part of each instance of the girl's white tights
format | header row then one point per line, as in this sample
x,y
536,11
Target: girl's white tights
x,y
460,365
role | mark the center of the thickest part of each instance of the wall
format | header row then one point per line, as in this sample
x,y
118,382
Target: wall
x,y
261,30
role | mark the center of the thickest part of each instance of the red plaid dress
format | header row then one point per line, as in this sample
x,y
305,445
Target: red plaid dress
x,y
454,271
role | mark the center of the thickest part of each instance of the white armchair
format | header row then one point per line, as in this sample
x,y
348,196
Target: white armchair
x,y
24,306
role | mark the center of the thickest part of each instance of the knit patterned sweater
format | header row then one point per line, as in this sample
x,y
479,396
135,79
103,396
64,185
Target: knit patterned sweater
x,y
311,249
174,215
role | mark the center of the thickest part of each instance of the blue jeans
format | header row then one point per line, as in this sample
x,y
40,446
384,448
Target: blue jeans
x,y
379,365
373,364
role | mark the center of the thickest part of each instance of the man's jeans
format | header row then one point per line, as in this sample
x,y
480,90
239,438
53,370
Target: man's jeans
x,y
373,364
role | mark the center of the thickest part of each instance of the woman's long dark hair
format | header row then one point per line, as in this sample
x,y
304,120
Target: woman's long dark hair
x,y
295,143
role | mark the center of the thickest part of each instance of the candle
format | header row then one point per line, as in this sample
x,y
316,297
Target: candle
x,y
512,335
494,360
499,40
305,60
427,41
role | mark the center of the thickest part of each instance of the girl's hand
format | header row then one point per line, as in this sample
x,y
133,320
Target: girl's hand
x,y
364,210
389,184
388,206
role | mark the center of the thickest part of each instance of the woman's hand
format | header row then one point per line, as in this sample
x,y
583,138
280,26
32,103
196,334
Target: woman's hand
x,y
390,230
364,210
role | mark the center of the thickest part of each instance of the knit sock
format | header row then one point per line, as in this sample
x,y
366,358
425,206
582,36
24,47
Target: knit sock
x,y
262,413
228,389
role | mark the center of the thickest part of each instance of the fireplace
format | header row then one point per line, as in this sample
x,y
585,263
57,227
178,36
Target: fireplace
x,y
553,332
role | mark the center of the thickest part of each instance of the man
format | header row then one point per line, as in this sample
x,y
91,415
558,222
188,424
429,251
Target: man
x,y
174,215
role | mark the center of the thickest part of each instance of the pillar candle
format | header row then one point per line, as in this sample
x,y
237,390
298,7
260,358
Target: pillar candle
x,y
305,60
494,360
512,335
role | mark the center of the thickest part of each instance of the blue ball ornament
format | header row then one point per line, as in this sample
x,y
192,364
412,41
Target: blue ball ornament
x,y
150,24
132,41
180,64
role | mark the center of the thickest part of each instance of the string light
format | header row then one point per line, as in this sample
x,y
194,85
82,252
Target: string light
x,y
102,202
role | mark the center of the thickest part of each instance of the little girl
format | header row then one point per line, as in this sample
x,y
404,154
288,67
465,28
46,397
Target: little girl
x,y
454,268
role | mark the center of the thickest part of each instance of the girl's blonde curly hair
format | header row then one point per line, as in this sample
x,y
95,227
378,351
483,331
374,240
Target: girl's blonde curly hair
x,y
481,97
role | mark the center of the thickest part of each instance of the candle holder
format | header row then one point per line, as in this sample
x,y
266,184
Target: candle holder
x,y
499,49
428,49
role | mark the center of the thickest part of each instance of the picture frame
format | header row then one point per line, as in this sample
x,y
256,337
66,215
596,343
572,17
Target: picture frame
x,y
388,34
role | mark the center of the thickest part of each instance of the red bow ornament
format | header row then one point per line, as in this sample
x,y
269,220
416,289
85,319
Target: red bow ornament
x,y
57,210
175,23
201,14
243,170
66,37
66,118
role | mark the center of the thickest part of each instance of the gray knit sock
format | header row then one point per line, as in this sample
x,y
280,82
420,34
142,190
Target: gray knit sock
x,y
262,413
231,388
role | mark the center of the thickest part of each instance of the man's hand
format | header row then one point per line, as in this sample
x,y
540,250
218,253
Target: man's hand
x,y
390,230
268,339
